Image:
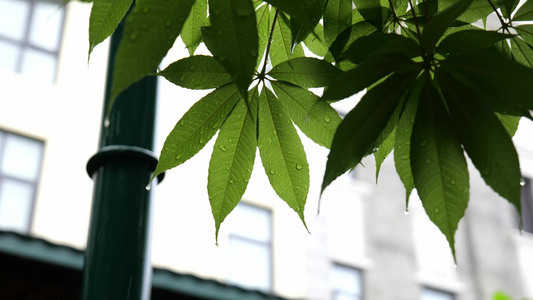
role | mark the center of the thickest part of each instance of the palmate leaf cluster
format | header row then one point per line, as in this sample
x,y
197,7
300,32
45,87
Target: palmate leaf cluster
x,y
437,86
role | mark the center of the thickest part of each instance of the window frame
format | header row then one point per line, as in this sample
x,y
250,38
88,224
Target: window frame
x,y
361,275
24,43
34,184
428,288
269,245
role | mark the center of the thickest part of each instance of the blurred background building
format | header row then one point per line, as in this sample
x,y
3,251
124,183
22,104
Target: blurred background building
x,y
362,245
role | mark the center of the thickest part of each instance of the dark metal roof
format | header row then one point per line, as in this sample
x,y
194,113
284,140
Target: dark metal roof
x,y
164,282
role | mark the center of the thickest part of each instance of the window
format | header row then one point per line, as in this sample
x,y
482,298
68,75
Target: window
x,y
250,247
431,294
30,34
527,204
20,166
346,283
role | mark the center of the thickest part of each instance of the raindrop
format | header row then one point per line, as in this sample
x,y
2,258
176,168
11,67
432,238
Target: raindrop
x,y
428,161
246,180
522,182
269,141
178,157
231,181
145,10
374,150
201,141
455,266
272,171
424,143
227,168
327,119
192,67
436,210
280,115
107,123
406,212
222,147
299,166
452,182
133,36
148,187
168,22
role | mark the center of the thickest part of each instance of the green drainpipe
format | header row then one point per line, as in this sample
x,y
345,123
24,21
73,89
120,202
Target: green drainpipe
x,y
117,260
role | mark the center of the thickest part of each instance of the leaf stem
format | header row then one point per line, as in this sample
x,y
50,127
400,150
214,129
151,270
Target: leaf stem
x,y
414,17
426,9
262,74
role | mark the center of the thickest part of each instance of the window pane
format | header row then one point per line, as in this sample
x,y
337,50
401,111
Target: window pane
x,y
15,205
430,294
46,25
345,282
251,222
39,64
249,264
13,18
8,55
22,157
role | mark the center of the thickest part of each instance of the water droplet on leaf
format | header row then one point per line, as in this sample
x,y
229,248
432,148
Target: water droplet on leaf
x,y
178,157
222,147
327,119
133,36
272,171
148,187
299,166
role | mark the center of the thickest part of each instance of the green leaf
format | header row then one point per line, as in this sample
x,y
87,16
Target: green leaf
x,y
380,44
507,7
264,24
316,43
295,9
485,140
314,10
370,10
435,28
306,72
197,127
191,34
362,126
235,42
526,33
505,84
522,52
348,36
142,47
337,17
478,9
470,41
104,19
383,151
510,123
439,167
525,12
364,75
282,153
402,141
232,160
281,50
197,72
316,118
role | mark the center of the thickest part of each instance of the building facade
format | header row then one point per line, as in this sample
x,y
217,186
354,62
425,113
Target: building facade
x,y
362,245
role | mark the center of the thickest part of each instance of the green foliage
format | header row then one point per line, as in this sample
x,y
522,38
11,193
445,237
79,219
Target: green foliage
x,y
436,87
